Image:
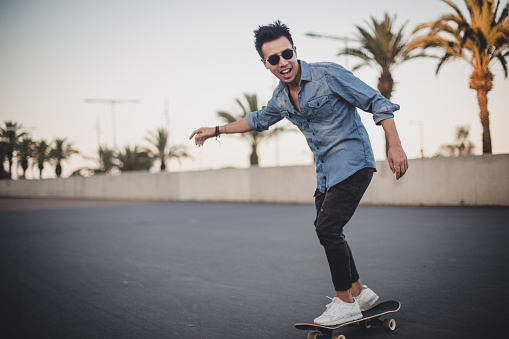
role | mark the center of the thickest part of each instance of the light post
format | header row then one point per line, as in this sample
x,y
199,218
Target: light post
x,y
345,39
113,103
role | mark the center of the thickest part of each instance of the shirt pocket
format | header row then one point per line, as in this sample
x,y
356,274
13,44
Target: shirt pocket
x,y
320,107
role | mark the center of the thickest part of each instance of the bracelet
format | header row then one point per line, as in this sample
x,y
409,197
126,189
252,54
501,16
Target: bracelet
x,y
217,131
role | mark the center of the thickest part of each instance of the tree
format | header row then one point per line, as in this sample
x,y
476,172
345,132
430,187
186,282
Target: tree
x,y
480,39
11,137
25,152
134,159
383,50
178,152
60,151
461,146
41,155
161,149
3,157
254,138
107,160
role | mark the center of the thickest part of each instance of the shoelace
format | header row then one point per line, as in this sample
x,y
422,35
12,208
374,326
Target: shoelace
x,y
330,308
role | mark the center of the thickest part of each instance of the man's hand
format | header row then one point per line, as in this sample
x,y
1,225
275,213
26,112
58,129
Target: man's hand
x,y
398,161
203,134
396,156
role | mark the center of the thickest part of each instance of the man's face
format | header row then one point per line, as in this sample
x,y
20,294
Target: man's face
x,y
285,70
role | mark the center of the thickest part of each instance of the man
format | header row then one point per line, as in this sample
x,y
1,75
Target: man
x,y
321,100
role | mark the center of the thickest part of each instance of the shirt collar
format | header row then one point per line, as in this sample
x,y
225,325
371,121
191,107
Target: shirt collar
x,y
305,72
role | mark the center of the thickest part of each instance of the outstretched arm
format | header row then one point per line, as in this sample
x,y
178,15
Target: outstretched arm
x,y
203,133
397,159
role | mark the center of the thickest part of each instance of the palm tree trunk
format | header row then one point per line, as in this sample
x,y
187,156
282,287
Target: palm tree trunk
x,y
482,99
10,157
41,167
254,156
58,170
163,164
24,166
481,81
386,86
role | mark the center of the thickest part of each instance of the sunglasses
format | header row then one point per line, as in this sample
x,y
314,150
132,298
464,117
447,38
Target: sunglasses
x,y
274,59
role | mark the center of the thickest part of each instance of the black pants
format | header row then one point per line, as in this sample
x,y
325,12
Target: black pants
x,y
334,208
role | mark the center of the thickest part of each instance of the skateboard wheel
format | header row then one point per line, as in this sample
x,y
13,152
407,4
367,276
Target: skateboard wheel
x,y
338,336
314,334
389,324
365,324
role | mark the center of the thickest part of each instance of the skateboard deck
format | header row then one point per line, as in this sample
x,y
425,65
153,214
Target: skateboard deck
x,y
369,318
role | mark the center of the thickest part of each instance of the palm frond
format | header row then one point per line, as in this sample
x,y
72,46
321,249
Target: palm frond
x,y
503,61
226,117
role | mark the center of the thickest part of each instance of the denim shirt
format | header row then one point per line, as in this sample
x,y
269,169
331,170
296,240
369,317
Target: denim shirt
x,y
328,97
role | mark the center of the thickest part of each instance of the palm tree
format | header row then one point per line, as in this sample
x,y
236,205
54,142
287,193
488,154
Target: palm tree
x,y
161,150
254,138
41,155
60,151
11,137
383,50
134,159
25,152
481,40
178,152
462,146
3,156
107,159
159,141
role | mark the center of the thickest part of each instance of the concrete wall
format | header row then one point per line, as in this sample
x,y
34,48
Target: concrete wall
x,y
473,180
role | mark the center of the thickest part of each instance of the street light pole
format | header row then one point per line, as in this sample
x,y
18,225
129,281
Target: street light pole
x,y
345,39
113,103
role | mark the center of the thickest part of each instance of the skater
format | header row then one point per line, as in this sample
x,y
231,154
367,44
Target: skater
x,y
321,100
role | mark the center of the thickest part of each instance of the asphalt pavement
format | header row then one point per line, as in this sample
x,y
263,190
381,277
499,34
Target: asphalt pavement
x,y
92,269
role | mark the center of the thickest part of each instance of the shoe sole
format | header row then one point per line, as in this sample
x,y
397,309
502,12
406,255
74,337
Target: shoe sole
x,y
370,303
334,323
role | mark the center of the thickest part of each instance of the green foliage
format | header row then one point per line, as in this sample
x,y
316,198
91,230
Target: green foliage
x,y
161,149
134,159
60,151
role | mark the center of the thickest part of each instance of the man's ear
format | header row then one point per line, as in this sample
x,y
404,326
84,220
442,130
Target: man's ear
x,y
264,63
295,50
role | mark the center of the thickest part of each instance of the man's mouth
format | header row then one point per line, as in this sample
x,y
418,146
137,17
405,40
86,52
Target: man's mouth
x,y
286,73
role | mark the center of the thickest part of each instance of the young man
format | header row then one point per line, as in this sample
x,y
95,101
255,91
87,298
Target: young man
x,y
321,100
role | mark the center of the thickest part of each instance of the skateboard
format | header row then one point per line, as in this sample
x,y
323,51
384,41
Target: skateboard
x,y
369,318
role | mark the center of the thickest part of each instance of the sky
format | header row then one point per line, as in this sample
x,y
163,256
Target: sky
x,y
185,60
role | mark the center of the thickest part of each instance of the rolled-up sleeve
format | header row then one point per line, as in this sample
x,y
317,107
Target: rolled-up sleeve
x,y
261,120
359,94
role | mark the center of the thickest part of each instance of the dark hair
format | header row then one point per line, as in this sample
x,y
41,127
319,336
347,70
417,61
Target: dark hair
x,y
269,33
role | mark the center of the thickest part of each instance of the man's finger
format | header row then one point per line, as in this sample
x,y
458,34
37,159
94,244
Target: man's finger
x,y
194,133
391,165
398,171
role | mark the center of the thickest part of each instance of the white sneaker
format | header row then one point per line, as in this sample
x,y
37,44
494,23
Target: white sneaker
x,y
338,312
366,299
